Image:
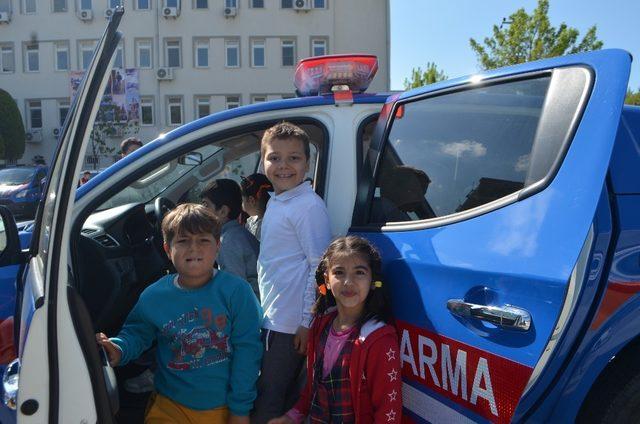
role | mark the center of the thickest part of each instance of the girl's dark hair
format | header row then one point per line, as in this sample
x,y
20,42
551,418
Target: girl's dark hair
x,y
257,186
378,303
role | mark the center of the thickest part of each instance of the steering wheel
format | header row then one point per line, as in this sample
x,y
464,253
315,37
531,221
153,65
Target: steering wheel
x,y
161,206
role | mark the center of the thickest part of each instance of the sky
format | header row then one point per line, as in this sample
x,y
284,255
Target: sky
x,y
439,30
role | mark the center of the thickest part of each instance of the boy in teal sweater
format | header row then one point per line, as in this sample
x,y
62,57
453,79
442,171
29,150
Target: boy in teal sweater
x,y
207,326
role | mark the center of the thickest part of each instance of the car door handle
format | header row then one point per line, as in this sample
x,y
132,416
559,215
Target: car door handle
x,y
507,316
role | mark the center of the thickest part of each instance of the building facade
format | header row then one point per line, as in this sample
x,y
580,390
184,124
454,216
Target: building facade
x,y
193,57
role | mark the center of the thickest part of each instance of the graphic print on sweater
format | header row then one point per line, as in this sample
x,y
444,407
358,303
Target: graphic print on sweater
x,y
197,339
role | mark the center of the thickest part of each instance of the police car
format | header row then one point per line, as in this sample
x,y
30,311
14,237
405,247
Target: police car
x,y
505,206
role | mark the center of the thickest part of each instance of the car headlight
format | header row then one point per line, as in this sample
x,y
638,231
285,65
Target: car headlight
x,y
22,194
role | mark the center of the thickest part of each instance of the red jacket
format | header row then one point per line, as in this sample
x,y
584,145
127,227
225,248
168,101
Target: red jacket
x,y
376,383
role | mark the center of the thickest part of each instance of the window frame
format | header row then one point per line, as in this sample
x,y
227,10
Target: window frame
x,y
84,8
24,4
63,104
30,48
255,45
147,101
137,5
230,43
29,113
233,103
112,4
283,6
139,45
169,103
253,6
323,7
257,96
59,46
201,43
293,42
233,4
65,9
313,41
200,100
166,49
119,50
11,47
195,5
366,190
85,46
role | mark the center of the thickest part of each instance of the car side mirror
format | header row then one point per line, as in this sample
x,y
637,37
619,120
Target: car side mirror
x,y
10,251
191,159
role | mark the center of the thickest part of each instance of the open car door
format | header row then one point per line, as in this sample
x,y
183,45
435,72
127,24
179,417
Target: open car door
x,y
487,197
59,381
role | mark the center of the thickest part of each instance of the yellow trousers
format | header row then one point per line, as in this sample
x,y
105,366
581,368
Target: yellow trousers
x,y
162,410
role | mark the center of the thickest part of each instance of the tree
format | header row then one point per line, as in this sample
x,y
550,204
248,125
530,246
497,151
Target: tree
x,y
11,128
633,97
531,37
420,77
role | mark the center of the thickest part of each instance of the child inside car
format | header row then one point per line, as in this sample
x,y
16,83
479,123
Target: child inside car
x,y
207,326
255,195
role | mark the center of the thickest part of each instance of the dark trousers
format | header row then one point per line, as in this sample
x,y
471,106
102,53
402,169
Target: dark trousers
x,y
278,384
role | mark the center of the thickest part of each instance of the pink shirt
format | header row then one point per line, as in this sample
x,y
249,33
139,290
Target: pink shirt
x,y
335,342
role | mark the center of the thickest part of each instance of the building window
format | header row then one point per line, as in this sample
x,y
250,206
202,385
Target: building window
x,y
144,56
29,6
258,99
318,47
32,58
203,107
173,56
202,53
63,110
146,108
319,4
232,48
62,56
59,5
119,60
114,3
257,53
86,53
286,4
257,4
7,59
288,96
143,4
232,102
174,107
85,4
35,114
288,52
201,4
172,3
231,4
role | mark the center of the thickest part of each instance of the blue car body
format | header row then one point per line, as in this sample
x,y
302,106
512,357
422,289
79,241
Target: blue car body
x,y
22,197
566,250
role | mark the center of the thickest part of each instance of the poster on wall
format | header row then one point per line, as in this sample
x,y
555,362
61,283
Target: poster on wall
x,y
121,100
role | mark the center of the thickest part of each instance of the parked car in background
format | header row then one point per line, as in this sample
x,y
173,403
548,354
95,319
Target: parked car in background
x,y
21,188
506,206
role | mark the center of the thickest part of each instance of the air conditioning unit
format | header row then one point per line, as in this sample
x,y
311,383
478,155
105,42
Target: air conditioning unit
x,y
33,136
299,5
108,13
170,12
56,132
5,17
164,74
87,14
230,12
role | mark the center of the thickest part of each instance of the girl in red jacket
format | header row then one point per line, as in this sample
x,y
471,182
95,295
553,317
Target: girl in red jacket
x,y
353,359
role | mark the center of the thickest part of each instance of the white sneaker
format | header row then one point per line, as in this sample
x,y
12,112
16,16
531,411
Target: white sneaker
x,y
140,384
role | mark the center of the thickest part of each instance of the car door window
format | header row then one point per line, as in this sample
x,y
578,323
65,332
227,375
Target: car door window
x,y
455,152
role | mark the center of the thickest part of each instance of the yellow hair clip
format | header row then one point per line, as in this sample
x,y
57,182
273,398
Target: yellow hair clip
x,y
377,284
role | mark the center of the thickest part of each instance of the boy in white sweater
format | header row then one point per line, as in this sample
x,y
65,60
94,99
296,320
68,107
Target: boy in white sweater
x,y
295,234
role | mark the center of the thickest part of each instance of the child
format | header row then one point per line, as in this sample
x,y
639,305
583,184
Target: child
x,y
295,233
238,252
353,363
255,195
206,324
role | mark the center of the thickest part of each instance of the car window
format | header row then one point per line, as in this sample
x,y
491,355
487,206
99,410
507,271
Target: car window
x,y
16,176
454,152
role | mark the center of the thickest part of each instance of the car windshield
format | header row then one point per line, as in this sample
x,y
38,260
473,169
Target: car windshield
x,y
16,176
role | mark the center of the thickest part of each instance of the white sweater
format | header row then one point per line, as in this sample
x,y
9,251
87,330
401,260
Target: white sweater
x,y
295,234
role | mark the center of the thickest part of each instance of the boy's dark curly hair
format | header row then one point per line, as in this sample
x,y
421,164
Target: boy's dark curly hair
x,y
378,303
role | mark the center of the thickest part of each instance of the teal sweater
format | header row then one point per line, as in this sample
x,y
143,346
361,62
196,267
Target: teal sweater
x,y
209,347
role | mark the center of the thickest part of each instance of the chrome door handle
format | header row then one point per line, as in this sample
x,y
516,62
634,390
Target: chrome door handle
x,y
507,316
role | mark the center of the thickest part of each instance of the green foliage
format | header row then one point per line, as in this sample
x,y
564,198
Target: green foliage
x,y
420,78
531,37
12,131
633,97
